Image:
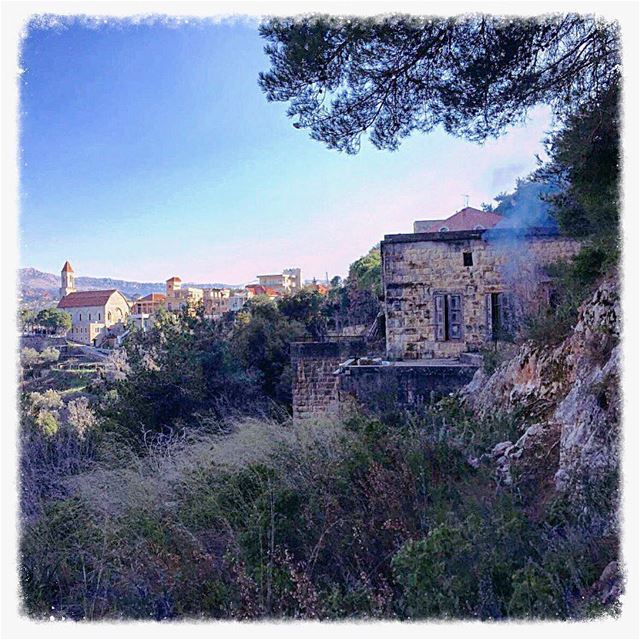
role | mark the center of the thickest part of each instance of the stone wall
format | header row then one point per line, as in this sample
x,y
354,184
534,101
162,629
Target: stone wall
x,y
416,267
315,387
381,389
319,391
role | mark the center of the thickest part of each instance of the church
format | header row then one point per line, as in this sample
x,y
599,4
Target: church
x,y
92,312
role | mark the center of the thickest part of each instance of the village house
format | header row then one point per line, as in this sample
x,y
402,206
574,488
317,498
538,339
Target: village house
x,y
92,313
149,304
143,310
455,284
216,302
289,281
179,297
254,290
237,299
449,287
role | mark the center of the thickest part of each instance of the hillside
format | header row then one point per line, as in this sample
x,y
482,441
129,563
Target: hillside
x,y
38,288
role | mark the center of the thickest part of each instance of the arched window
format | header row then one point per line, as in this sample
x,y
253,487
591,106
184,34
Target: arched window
x,y
98,316
80,316
109,315
443,229
478,227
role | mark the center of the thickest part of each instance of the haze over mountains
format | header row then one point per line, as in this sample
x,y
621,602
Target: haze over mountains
x,y
38,288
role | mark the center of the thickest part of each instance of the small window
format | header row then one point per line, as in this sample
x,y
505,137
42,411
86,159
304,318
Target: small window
x,y
80,316
479,227
467,259
443,229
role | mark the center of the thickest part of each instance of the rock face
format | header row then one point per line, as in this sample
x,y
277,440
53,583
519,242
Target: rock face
x,y
572,394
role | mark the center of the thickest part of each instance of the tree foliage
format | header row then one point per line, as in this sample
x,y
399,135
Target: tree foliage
x,y
180,366
366,272
261,339
474,76
54,320
585,164
356,300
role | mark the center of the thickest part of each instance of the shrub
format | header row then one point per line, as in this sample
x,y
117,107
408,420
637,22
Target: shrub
x,y
50,399
80,416
49,355
29,357
47,422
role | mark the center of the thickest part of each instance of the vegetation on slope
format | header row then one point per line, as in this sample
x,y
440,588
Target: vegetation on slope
x,y
362,518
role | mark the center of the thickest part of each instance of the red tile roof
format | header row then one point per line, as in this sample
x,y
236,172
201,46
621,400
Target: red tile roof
x,y
152,297
467,219
67,267
86,299
259,289
174,279
322,289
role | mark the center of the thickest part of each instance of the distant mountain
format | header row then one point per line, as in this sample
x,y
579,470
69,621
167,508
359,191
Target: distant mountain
x,y
38,288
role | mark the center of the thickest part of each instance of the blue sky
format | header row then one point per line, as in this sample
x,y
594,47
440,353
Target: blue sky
x,y
149,150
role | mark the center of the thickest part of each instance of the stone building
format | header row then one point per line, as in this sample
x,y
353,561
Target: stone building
x,y
449,292
289,281
179,297
216,302
149,304
449,287
92,312
144,309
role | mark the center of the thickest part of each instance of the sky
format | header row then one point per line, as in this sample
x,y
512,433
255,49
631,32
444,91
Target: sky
x,y
149,150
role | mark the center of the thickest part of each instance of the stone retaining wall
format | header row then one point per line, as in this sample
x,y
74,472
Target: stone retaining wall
x,y
318,391
315,390
381,389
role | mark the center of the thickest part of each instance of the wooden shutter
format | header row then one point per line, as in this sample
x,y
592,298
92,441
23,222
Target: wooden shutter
x,y
439,316
488,316
507,313
455,317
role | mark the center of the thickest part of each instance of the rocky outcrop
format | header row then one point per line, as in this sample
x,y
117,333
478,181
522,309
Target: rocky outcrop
x,y
609,586
571,394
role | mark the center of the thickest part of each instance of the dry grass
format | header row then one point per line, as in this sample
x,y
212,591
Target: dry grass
x,y
153,480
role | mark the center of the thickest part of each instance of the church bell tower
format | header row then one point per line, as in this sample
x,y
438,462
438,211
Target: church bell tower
x,y
67,280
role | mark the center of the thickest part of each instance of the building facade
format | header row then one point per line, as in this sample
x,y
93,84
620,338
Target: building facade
x,y
149,304
143,310
289,281
92,312
216,302
179,297
446,293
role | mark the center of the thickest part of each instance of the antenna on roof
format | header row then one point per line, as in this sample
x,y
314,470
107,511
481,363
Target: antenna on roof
x,y
466,199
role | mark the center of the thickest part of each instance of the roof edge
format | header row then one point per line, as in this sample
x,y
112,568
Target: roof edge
x,y
453,236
